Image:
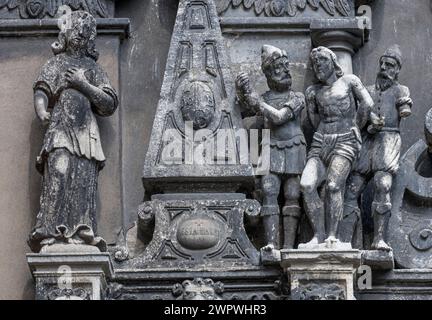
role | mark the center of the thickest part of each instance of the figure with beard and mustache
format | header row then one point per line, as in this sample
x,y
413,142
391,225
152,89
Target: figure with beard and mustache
x,y
333,112
379,157
281,108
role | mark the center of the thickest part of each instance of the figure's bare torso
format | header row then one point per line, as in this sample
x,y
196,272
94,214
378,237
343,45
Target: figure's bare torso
x,y
336,106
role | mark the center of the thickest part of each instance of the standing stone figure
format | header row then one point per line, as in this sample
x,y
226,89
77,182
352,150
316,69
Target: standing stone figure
x,y
379,157
76,88
332,111
281,108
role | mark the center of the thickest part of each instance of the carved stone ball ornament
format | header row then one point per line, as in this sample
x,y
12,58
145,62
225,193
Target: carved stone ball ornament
x,y
197,104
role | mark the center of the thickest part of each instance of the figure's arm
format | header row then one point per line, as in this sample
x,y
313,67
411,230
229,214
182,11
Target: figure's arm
x,y
104,102
404,103
41,106
276,116
312,108
364,99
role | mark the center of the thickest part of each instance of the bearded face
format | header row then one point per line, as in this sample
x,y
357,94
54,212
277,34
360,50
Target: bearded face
x,y
388,73
323,66
278,75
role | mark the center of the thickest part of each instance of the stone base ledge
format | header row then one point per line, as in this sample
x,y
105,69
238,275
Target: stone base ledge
x,y
70,276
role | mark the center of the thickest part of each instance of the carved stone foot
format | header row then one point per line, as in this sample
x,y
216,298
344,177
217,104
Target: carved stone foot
x,y
381,245
270,255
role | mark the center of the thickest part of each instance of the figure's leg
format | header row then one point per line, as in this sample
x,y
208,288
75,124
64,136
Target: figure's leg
x,y
351,215
312,177
270,211
381,209
291,211
337,176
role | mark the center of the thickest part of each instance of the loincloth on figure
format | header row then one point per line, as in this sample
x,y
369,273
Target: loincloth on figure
x,y
326,146
288,157
380,152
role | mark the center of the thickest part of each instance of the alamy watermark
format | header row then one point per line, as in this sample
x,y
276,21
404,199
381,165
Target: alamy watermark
x,y
215,148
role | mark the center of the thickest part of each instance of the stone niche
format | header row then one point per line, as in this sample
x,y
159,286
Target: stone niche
x,y
25,46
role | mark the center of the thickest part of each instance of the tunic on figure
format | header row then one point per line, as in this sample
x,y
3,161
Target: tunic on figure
x,y
287,141
71,154
381,151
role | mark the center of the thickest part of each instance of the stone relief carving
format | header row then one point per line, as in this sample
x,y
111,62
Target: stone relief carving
x,y
380,153
332,111
198,289
69,294
411,219
288,7
319,291
75,88
198,104
281,108
38,9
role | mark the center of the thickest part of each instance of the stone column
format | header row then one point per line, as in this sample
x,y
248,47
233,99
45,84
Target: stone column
x,y
344,37
321,274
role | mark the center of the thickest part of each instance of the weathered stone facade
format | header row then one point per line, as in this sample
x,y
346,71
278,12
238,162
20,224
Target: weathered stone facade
x,y
219,231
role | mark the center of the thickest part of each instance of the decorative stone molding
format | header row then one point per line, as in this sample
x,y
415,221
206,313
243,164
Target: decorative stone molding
x,y
70,276
39,9
321,274
278,8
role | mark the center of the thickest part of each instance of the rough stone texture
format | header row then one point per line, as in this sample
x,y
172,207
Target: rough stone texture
x,y
38,9
399,285
71,276
321,274
197,231
143,57
197,57
20,184
410,226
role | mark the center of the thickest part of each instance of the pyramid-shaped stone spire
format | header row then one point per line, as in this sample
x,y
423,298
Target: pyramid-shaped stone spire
x,y
197,112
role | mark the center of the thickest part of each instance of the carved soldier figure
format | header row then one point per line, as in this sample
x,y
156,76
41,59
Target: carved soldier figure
x,y
76,88
379,157
281,108
332,110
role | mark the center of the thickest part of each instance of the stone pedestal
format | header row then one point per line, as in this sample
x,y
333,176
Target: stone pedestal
x,y
321,274
70,276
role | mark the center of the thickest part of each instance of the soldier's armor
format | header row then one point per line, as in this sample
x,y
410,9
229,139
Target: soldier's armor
x,y
289,129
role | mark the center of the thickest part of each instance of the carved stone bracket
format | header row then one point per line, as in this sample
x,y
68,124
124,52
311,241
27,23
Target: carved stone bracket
x,y
70,276
196,230
321,274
